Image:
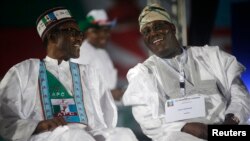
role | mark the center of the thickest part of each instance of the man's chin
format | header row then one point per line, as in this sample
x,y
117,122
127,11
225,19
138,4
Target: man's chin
x,y
75,56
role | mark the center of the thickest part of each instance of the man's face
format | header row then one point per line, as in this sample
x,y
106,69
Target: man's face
x,y
98,37
69,40
159,36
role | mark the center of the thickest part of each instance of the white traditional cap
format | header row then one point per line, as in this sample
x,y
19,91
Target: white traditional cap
x,y
151,13
51,18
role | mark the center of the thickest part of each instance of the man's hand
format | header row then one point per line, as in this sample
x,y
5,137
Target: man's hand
x,y
117,94
230,119
196,129
49,125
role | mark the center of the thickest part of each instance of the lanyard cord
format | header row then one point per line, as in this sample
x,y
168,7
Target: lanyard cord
x,y
182,73
183,59
182,79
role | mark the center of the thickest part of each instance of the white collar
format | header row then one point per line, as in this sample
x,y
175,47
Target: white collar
x,y
55,61
182,58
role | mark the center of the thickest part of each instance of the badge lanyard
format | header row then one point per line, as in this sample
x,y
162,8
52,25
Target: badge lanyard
x,y
182,79
182,73
183,59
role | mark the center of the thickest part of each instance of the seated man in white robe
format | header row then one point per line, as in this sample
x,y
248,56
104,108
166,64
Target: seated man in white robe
x,y
54,99
178,91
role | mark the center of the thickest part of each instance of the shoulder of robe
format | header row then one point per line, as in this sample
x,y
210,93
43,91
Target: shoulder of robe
x,y
27,64
142,68
204,50
205,47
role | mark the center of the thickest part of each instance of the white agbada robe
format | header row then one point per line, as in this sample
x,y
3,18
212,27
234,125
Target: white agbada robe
x,y
21,109
100,60
209,71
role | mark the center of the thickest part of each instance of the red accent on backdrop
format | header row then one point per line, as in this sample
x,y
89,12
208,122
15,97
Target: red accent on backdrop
x,y
127,46
128,41
18,44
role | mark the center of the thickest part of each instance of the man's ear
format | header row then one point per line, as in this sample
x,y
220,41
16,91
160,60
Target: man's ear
x,y
87,31
52,37
173,28
84,35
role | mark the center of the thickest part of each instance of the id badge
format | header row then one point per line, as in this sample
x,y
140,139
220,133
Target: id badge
x,y
184,108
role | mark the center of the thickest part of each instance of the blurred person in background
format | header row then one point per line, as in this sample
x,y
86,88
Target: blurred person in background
x,y
97,28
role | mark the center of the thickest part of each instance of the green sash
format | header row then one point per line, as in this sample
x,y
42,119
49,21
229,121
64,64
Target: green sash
x,y
57,101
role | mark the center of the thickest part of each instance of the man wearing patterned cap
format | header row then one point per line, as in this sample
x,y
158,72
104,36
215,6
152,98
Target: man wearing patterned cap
x,y
54,99
93,50
178,91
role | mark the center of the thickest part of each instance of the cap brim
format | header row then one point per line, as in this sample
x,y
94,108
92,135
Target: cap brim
x,y
84,25
108,23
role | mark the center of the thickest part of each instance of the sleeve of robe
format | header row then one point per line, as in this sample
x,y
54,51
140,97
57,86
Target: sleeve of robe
x,y
142,95
16,105
102,98
239,103
108,106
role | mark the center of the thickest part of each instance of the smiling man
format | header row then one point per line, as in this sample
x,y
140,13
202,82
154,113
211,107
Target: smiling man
x,y
54,99
202,84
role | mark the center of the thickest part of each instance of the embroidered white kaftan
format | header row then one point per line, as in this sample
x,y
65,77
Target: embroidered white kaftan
x,y
209,72
21,109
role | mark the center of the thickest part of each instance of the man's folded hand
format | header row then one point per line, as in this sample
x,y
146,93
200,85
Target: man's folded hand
x,y
196,129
